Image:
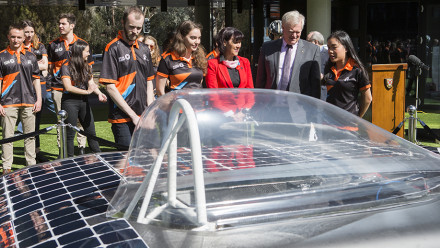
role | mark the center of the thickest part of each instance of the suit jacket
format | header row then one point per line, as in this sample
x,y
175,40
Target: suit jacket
x,y
306,73
217,75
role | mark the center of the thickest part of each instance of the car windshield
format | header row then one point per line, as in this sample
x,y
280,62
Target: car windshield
x,y
226,158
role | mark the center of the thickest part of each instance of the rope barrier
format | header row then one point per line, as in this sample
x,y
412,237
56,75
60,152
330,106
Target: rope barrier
x,y
47,129
426,127
397,129
27,135
100,140
429,130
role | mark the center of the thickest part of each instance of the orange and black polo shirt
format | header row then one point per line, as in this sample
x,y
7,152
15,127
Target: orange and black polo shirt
x,y
344,86
58,53
40,53
65,73
213,54
17,72
180,72
129,67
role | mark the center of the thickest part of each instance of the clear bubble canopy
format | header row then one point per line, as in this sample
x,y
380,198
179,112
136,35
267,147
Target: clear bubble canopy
x,y
220,159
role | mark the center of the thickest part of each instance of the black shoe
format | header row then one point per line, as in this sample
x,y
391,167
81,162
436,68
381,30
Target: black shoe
x,y
82,151
41,158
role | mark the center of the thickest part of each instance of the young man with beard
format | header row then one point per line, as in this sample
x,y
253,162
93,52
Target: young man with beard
x,y
127,72
20,94
58,52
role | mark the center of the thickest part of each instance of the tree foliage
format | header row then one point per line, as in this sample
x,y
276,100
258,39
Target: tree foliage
x,y
96,25
164,23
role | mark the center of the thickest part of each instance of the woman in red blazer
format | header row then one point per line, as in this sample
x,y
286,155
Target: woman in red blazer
x,y
229,70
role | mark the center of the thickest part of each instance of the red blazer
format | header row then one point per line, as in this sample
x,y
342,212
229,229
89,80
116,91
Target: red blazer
x,y
229,101
218,75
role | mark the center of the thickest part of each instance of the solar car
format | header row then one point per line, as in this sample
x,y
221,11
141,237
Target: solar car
x,y
233,168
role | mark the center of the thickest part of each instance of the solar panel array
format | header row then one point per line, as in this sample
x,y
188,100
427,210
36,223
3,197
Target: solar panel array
x,y
63,203
233,157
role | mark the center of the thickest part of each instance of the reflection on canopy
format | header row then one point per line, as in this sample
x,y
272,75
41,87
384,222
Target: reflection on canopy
x,y
259,150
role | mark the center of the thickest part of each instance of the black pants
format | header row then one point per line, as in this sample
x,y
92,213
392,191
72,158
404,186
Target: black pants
x,y
38,115
78,107
123,132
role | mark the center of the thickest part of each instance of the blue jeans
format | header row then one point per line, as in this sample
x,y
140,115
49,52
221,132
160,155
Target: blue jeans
x,y
122,133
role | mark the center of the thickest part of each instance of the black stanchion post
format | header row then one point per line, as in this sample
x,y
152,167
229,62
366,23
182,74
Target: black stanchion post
x,y
63,134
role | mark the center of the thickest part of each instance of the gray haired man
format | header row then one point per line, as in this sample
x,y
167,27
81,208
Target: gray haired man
x,y
290,63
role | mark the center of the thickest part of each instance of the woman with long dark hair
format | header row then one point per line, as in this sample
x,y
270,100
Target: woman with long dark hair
x,y
77,78
184,62
229,70
345,76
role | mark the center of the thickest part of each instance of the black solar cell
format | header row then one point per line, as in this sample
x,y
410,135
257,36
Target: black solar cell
x,y
51,203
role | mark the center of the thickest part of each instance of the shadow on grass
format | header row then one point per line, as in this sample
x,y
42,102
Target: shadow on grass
x,y
19,155
99,109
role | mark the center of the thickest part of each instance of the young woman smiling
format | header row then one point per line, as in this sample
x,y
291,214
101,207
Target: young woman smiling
x,y
184,63
345,76
77,78
229,70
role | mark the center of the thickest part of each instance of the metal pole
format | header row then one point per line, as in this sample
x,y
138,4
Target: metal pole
x,y
63,142
418,72
412,124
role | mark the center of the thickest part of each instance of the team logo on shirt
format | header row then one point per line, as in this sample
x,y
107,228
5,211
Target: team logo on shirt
x,y
124,58
145,57
60,49
7,62
180,65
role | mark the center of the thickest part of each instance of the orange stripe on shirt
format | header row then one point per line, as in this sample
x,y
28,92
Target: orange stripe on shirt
x,y
110,43
124,120
18,105
177,79
365,87
162,74
8,79
58,65
329,87
125,81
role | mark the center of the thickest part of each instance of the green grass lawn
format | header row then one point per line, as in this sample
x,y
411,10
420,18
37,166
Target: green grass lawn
x,y
48,141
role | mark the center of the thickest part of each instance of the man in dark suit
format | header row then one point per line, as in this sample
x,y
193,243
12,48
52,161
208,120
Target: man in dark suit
x,y
290,63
